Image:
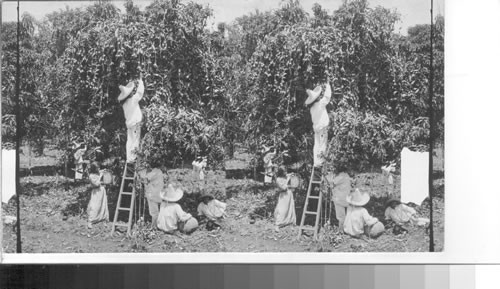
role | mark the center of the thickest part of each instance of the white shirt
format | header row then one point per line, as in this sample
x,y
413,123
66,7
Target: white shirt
x,y
341,189
268,162
170,215
131,108
199,166
95,180
154,184
319,115
356,219
213,210
79,155
401,214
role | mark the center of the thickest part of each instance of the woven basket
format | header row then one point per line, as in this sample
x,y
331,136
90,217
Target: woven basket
x,y
107,177
294,181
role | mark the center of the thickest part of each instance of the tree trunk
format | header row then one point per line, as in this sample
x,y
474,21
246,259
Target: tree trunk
x,y
29,155
231,148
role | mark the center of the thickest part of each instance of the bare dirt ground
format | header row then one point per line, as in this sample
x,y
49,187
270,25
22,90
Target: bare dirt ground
x,y
53,219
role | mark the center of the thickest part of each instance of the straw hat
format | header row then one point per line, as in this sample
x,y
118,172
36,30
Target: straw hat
x,y
172,194
206,195
357,198
126,90
392,200
313,94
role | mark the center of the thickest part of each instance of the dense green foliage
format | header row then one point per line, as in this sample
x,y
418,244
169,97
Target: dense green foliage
x,y
379,82
243,83
35,103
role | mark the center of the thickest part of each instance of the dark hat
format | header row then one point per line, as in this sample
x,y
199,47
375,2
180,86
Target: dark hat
x,y
204,195
392,200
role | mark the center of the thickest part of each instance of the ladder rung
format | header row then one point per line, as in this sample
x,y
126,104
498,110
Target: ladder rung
x,y
123,209
127,193
311,212
313,197
308,228
128,178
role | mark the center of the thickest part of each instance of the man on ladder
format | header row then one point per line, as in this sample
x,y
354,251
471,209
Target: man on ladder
x,y
129,98
317,100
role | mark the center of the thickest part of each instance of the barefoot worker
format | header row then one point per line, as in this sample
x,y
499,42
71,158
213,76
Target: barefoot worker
x,y
317,101
129,97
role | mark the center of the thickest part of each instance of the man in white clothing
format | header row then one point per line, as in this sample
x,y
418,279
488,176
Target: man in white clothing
x,y
199,165
129,97
269,156
152,179
318,99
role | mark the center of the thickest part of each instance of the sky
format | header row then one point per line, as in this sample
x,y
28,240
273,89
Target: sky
x,y
412,11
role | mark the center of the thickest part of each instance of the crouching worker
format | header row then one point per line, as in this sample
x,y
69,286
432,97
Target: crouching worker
x,y
172,217
401,214
97,209
358,221
211,208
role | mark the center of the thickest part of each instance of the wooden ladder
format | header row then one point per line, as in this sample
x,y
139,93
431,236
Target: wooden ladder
x,y
128,179
312,184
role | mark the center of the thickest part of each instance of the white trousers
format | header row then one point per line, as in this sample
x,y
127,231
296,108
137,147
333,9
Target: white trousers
x,y
133,141
340,213
320,143
79,171
154,211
